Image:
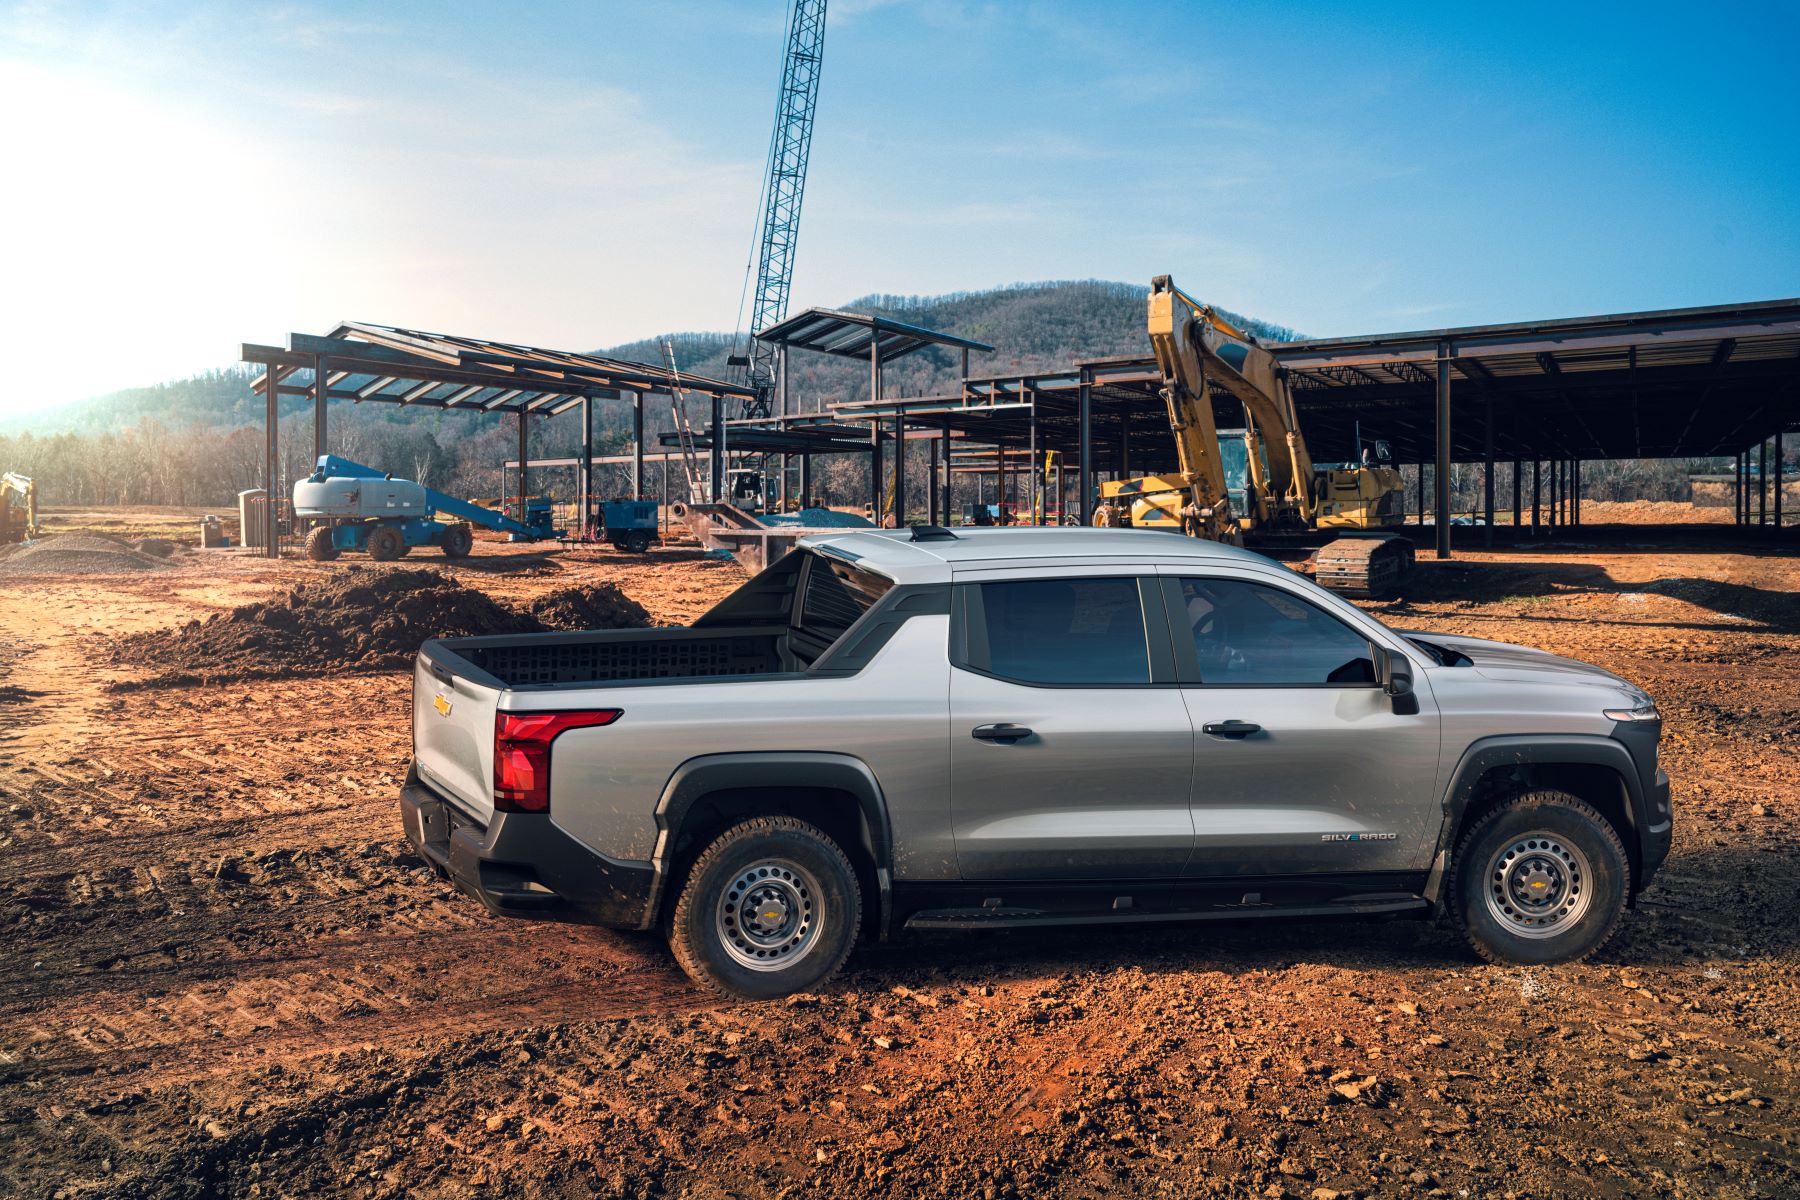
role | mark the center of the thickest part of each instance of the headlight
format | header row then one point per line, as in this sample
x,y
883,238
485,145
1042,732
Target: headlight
x,y
1642,712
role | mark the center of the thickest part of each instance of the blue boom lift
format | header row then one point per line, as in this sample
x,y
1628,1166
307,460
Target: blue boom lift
x,y
360,508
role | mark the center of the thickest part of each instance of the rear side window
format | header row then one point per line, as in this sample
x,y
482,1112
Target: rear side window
x,y
1250,633
1066,631
835,595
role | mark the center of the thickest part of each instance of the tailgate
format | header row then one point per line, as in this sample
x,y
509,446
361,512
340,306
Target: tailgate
x,y
453,730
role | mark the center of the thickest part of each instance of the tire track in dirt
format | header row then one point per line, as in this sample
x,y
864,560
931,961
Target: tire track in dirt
x,y
185,1023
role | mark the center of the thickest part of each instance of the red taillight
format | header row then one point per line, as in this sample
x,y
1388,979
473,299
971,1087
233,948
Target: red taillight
x,y
522,754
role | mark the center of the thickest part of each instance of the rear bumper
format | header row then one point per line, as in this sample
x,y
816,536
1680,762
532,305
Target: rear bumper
x,y
522,865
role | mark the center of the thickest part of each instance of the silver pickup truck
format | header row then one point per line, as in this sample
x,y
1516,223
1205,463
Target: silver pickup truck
x,y
996,728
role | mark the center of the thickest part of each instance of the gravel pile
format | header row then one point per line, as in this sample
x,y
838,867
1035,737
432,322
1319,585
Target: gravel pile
x,y
76,554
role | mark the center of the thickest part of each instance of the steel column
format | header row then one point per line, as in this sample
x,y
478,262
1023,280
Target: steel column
x,y
1441,479
1537,494
321,389
1034,476
1778,472
271,449
1575,491
637,445
1762,483
806,481
1518,494
1487,475
1084,481
944,438
716,460
899,471
524,464
584,486
875,496
931,482
1421,493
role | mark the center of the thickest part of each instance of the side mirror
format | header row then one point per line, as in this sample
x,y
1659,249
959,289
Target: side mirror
x,y
1394,673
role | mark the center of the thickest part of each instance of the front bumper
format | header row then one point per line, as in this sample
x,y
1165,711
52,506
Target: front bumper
x,y
1657,830
522,865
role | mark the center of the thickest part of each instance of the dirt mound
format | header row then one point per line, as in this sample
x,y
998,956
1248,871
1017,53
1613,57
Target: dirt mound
x,y
76,554
602,606
359,621
157,547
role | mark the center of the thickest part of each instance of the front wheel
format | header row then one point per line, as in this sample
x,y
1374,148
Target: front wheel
x,y
1541,879
319,544
771,907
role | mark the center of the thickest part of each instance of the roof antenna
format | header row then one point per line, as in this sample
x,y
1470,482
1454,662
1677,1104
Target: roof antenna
x,y
933,533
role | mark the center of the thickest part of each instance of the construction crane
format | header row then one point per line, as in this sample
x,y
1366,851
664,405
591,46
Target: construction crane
x,y
784,185
1283,490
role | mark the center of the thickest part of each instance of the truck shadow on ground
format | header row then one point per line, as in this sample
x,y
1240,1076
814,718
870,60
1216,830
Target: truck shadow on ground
x,y
1715,905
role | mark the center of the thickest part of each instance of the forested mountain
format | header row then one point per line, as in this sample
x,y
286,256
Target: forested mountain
x,y
198,440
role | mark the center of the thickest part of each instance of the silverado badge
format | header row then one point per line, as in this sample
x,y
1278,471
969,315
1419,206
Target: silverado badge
x,y
442,703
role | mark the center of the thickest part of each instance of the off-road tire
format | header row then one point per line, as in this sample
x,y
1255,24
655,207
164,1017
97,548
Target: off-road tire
x,y
457,540
385,543
319,546
832,899
1560,829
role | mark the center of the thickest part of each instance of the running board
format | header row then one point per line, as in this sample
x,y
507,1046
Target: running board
x,y
1019,918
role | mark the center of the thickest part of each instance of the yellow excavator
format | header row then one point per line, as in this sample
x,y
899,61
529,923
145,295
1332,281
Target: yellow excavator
x,y
1279,489
18,509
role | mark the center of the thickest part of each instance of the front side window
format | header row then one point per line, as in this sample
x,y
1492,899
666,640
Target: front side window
x,y
1251,633
1066,631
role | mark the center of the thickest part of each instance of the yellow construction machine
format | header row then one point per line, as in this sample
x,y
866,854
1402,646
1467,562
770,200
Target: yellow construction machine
x,y
1265,465
18,509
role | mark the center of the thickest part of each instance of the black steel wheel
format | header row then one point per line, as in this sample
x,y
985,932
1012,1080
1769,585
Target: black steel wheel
x,y
319,546
1541,879
385,543
771,907
639,541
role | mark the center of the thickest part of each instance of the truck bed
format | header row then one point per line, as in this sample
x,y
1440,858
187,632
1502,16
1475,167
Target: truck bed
x,y
538,660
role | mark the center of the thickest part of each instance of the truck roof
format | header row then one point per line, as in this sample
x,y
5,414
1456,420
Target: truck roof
x,y
894,553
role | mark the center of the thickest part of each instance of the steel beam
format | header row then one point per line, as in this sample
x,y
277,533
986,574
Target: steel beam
x,y
875,496
584,483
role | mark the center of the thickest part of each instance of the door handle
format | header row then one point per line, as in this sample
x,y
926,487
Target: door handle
x,y
1004,733
1235,730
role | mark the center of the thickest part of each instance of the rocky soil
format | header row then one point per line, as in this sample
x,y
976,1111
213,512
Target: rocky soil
x,y
223,974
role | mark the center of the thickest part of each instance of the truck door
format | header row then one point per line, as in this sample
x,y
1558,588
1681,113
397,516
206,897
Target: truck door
x,y
1301,764
1071,753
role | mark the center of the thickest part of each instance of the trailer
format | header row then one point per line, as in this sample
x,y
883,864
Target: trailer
x,y
360,509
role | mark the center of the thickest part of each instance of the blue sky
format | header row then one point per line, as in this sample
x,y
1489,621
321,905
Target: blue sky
x,y
194,175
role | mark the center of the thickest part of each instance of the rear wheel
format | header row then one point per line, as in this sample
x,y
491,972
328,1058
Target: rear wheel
x,y
1541,879
385,543
319,546
638,542
771,907
457,540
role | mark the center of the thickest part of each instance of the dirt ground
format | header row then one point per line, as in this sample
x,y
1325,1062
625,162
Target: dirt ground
x,y
223,974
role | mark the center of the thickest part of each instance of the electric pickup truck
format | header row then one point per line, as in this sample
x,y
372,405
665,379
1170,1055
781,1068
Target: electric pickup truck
x,y
1003,728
